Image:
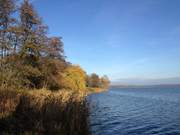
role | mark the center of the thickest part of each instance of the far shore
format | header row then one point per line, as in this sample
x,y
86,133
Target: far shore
x,y
145,86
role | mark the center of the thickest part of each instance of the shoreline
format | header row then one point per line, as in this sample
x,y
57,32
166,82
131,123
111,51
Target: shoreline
x,y
39,105
96,90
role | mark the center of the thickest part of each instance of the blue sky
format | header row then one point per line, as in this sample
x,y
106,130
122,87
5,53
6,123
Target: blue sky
x,y
120,38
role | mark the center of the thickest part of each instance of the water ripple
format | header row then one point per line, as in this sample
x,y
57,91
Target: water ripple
x,y
136,112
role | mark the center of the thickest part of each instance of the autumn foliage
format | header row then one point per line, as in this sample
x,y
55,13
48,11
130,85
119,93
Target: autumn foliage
x,y
30,61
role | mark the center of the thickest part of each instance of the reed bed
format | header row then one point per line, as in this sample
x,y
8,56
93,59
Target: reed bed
x,y
43,112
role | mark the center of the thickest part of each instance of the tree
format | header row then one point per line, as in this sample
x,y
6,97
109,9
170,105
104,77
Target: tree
x,y
7,8
51,70
32,41
31,59
30,22
93,80
74,78
104,82
55,48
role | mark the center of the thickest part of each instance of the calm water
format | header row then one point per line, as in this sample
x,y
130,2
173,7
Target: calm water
x,y
136,111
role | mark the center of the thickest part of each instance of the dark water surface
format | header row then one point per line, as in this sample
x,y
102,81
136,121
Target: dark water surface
x,y
136,111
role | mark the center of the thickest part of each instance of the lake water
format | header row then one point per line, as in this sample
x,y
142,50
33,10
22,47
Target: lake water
x,y
136,111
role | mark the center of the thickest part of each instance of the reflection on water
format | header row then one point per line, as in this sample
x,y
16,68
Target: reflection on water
x,y
137,111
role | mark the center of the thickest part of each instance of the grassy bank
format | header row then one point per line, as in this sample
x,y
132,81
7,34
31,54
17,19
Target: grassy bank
x,y
96,90
43,112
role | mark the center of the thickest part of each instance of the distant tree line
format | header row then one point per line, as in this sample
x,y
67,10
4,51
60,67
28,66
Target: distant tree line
x,y
29,58
95,81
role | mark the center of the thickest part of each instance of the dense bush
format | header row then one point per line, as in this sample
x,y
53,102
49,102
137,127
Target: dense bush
x,y
74,78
